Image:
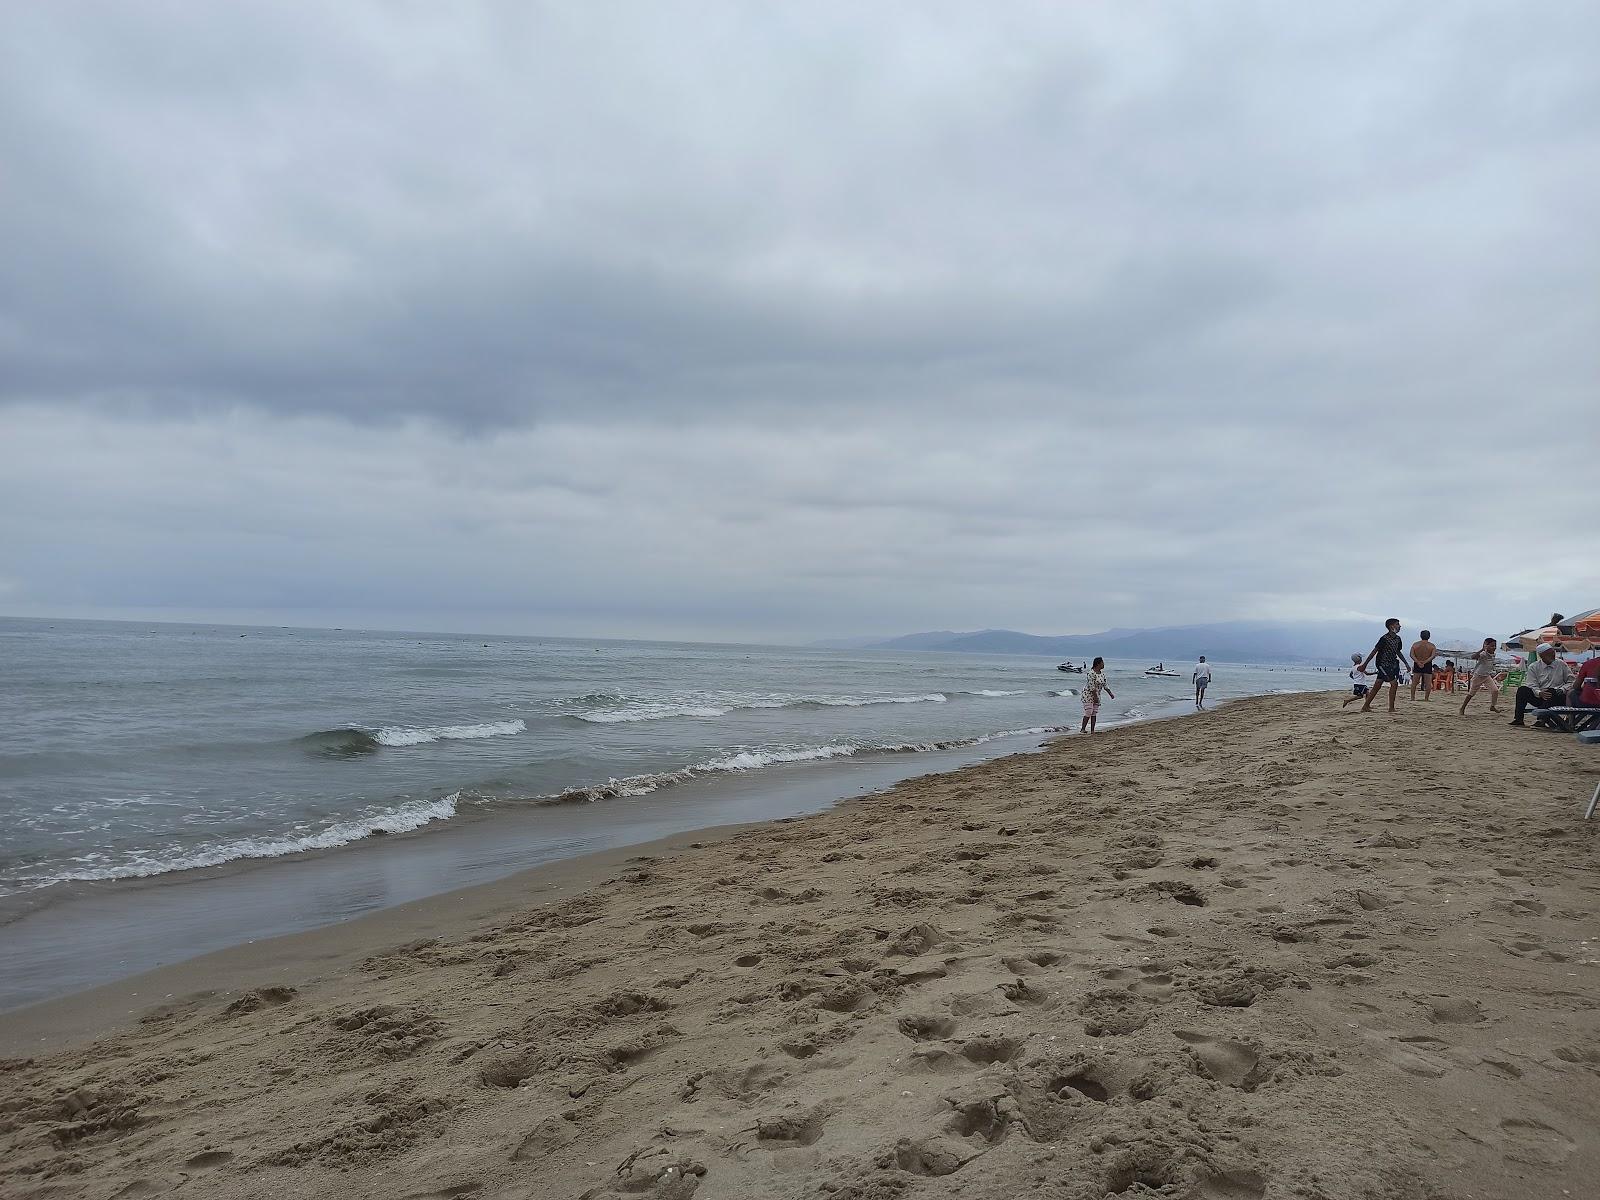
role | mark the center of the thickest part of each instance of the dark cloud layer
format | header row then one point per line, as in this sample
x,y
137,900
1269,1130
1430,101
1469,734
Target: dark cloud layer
x,y
818,318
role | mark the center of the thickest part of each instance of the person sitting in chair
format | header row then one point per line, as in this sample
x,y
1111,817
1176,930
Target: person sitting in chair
x,y
1586,693
1546,685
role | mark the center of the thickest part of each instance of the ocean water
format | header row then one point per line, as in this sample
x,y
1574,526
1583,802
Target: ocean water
x,y
132,751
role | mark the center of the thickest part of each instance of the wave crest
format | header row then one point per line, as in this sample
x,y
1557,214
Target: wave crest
x,y
624,710
403,819
340,743
353,741
756,759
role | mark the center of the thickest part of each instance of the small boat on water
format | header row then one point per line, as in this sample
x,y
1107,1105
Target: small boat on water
x,y
1160,671
1069,668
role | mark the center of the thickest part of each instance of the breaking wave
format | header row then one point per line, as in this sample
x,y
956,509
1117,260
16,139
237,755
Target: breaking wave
x,y
605,709
352,741
756,759
296,841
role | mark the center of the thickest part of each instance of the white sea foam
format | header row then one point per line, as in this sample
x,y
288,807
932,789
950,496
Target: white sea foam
x,y
1031,731
927,698
400,735
718,706
158,862
411,816
649,711
754,760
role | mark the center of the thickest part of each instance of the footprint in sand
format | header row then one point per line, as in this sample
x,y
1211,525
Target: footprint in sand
x,y
655,1173
984,1122
803,1128
1152,980
1523,1139
1114,1012
1125,940
544,1139
455,1191
986,1050
1034,961
731,1083
1418,1056
208,1159
1020,991
926,1027
932,1156
1233,1063
258,998
1451,1011
1233,1185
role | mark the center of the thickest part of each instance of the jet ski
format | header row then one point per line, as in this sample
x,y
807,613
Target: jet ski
x,y
1069,668
1160,671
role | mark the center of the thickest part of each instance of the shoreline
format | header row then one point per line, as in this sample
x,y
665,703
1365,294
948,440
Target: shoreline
x,y
217,908
1236,958
99,1009
109,1008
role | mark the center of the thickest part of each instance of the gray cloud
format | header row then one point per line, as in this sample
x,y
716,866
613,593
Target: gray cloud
x,y
716,318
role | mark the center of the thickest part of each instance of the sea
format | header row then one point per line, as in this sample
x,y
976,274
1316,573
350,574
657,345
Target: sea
x,y
382,766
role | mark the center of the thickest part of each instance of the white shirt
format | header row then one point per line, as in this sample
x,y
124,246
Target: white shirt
x,y
1202,673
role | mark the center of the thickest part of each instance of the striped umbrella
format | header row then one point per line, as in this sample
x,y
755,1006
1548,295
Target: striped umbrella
x,y
1587,625
1562,633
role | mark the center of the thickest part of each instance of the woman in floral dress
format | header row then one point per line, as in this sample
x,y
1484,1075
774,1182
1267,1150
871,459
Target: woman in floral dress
x,y
1093,684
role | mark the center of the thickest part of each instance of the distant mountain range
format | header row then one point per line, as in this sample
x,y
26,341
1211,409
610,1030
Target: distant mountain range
x,y
1227,641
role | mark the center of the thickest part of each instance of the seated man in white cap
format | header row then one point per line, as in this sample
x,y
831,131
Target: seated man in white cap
x,y
1547,684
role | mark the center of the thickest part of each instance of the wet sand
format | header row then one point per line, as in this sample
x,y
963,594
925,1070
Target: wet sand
x,y
1252,954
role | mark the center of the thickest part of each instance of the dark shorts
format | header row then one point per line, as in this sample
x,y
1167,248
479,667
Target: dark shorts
x,y
1389,674
1359,689
1425,668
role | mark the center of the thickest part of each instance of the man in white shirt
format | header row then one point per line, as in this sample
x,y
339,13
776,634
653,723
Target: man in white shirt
x,y
1546,685
1202,680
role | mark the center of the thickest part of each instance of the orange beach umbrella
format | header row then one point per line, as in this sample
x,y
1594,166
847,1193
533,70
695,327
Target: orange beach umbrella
x,y
1587,625
1573,635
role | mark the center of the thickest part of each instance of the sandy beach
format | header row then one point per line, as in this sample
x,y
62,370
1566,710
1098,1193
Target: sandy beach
x,y
1269,951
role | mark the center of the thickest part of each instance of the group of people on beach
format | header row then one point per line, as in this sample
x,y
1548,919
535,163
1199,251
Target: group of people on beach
x,y
1548,682
1094,686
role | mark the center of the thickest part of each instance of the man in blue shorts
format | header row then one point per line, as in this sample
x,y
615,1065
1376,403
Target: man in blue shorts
x,y
1388,652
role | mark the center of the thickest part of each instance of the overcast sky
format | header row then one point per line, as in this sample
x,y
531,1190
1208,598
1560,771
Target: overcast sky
x,y
795,320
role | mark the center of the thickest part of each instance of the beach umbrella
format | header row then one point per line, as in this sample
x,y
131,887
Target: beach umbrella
x,y
1586,625
1560,632
1529,638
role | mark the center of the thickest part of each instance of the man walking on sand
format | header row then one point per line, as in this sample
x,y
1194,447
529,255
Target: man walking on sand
x,y
1387,652
1422,655
1202,680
